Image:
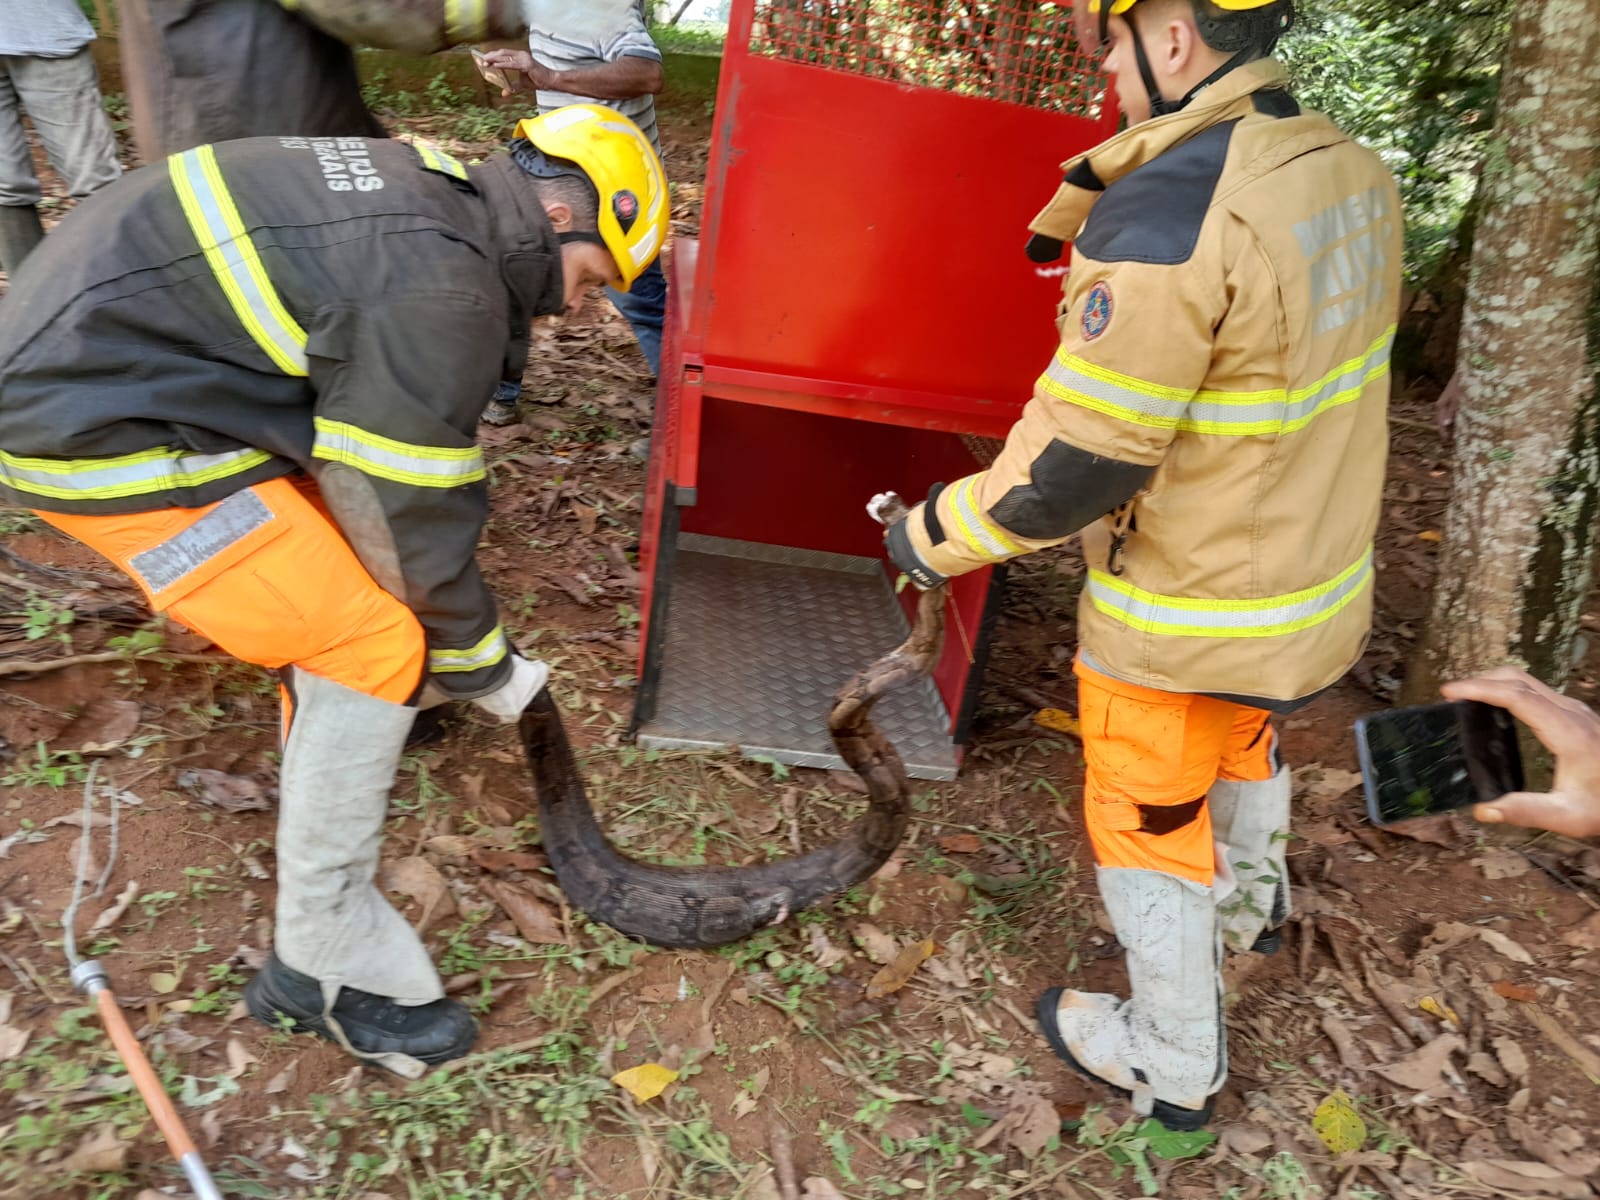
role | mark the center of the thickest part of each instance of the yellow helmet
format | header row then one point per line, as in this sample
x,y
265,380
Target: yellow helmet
x,y
1244,29
602,145
1226,33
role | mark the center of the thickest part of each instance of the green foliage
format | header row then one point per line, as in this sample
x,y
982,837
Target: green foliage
x,y
1416,81
1131,1146
49,768
692,38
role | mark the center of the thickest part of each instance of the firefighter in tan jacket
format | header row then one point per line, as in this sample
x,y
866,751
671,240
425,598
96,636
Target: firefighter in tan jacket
x,y
1216,417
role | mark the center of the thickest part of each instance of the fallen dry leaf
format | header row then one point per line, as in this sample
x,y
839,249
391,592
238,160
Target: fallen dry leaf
x,y
818,1188
1485,1067
75,819
420,879
1563,1147
103,725
152,1194
1504,945
1529,1178
1515,991
1436,1008
452,845
763,1186
509,860
232,793
1448,934
1435,831
1587,1060
1339,1124
240,1060
1422,1070
118,906
1585,935
1058,721
281,1081
1034,1122
536,920
1512,1057
899,972
1499,863
960,843
163,983
822,949
210,1128
1317,782
100,1150
749,1095
1245,1139
12,1041
878,945
646,1081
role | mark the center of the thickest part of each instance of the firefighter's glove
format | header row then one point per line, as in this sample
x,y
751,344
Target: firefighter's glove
x,y
888,509
506,702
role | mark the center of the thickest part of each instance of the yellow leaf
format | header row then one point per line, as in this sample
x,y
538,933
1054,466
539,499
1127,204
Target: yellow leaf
x,y
1061,722
1339,1125
1443,1011
646,1081
1430,535
898,973
163,982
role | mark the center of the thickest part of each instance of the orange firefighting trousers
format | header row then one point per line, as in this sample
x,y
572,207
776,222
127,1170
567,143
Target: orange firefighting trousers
x,y
266,575
1150,759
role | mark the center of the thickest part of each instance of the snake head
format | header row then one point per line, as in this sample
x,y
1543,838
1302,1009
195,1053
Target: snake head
x,y
773,908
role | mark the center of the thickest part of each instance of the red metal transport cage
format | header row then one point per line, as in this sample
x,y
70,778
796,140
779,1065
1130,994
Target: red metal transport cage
x,y
857,315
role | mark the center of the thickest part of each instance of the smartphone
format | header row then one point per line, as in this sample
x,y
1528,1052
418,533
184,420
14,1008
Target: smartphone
x,y
1419,761
500,79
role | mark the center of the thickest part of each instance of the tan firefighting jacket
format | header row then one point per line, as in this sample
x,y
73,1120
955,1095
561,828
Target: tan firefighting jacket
x,y
1228,320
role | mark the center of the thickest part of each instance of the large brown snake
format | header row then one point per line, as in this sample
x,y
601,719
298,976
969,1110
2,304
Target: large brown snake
x,y
707,906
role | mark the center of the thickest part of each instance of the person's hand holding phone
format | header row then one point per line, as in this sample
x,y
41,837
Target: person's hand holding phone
x,y
1568,728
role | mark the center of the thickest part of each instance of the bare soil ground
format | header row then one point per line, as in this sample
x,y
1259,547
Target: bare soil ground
x,y
1432,1027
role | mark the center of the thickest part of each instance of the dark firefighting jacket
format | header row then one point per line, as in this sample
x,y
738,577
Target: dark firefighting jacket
x,y
247,310
199,71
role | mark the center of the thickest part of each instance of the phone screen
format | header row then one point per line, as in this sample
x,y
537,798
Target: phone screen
x,y
1419,761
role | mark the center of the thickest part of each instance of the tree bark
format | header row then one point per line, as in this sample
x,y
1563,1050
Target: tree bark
x,y
1518,544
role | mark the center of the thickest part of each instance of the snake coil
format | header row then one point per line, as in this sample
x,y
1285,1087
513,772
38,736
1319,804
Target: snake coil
x,y
708,906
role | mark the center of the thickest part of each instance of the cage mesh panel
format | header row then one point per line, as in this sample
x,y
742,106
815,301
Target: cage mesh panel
x,y
1019,51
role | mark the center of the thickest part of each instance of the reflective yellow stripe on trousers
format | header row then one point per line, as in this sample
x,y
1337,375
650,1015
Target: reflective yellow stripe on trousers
x,y
218,228
1269,616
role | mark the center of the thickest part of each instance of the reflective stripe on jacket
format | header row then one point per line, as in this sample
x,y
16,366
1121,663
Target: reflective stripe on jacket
x,y
339,306
1228,321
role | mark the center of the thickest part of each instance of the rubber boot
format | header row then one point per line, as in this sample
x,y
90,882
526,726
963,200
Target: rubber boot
x,y
20,232
1166,1047
334,927
1250,822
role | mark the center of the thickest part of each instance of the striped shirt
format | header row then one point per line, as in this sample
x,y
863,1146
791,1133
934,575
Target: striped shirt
x,y
43,28
564,35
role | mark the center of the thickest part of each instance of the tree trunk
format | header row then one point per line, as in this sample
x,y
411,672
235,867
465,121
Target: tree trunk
x,y
682,8
1519,538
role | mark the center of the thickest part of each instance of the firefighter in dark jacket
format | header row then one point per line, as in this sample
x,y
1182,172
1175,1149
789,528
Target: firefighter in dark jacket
x,y
250,376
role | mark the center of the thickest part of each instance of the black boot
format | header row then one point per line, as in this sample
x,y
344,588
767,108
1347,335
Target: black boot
x,y
20,232
430,1033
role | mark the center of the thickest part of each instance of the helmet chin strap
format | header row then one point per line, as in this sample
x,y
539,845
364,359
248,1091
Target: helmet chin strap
x,y
1160,106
